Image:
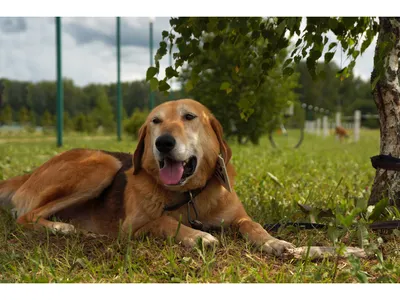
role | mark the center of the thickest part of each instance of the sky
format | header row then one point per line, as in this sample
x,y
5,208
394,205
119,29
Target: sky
x,y
27,49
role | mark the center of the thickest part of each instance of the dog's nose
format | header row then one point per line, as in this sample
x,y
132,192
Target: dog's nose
x,y
165,143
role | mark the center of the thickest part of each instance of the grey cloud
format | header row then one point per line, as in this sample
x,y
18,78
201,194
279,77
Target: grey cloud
x,y
12,25
137,36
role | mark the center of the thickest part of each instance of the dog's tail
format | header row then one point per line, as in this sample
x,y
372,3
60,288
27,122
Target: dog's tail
x,y
9,187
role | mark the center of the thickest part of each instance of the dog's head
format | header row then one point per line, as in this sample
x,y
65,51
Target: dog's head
x,y
179,145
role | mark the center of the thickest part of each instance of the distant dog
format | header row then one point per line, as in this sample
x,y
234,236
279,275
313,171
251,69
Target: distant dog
x,y
180,172
341,133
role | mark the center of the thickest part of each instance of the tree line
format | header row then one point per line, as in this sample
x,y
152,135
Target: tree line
x,y
85,108
88,107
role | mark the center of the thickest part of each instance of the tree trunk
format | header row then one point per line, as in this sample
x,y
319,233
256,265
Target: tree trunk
x,y
387,99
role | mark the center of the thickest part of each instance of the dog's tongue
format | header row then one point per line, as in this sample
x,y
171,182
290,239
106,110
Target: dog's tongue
x,y
172,172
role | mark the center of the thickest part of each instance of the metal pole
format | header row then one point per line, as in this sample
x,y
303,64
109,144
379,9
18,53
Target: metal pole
x,y
151,61
119,98
60,93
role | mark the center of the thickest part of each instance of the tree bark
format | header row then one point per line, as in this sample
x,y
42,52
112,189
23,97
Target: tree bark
x,y
387,99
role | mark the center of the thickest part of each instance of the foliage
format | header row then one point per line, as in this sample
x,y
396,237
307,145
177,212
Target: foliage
x,y
354,35
132,125
84,123
6,115
48,121
103,112
23,116
214,90
68,122
41,96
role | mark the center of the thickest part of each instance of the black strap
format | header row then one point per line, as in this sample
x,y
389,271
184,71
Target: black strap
x,y
300,225
386,162
188,196
189,199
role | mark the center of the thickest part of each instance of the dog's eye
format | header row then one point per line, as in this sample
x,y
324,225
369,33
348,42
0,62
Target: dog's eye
x,y
156,120
189,116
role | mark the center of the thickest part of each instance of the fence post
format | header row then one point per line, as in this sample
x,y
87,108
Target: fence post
x,y
312,127
325,128
357,125
338,119
318,131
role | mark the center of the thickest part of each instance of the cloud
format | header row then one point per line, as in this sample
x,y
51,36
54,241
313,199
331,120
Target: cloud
x,y
134,31
12,25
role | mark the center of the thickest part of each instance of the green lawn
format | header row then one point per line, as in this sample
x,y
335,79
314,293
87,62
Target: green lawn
x,y
323,173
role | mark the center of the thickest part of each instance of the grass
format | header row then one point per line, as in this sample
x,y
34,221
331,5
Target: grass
x,y
323,173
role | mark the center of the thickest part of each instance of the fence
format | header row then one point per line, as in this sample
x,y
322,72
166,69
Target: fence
x,y
322,127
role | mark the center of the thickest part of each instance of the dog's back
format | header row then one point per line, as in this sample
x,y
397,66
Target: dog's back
x,y
341,132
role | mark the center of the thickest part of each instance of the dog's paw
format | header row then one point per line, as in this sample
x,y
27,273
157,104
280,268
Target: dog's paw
x,y
63,227
205,238
276,247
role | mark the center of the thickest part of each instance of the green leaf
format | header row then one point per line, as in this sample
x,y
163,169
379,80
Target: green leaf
x,y
366,44
297,59
287,71
333,23
153,84
260,41
164,34
170,72
225,85
163,86
331,45
328,56
281,28
274,179
374,83
287,62
151,72
379,209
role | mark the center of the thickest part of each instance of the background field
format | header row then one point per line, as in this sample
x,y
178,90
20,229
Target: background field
x,y
323,173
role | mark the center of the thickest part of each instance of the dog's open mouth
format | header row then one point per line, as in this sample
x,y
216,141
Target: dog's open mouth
x,y
174,172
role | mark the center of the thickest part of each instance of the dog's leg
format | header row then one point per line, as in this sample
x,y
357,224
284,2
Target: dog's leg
x,y
257,235
68,179
166,226
38,217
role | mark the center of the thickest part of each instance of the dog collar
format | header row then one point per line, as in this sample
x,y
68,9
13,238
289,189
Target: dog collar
x,y
189,199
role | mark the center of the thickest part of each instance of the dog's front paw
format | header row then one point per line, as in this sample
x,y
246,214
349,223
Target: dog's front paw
x,y
206,239
63,227
276,247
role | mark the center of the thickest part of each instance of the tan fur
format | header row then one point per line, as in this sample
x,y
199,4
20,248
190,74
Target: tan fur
x,y
341,132
69,184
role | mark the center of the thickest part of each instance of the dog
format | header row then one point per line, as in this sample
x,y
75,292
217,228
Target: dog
x,y
178,183
341,133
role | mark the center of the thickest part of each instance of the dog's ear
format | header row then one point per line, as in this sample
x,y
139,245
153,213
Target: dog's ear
x,y
224,147
137,156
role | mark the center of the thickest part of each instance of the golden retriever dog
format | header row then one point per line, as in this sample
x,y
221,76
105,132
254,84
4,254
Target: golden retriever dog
x,y
341,133
178,183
